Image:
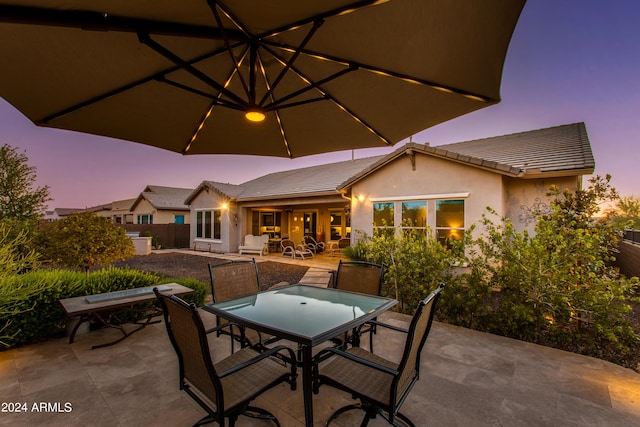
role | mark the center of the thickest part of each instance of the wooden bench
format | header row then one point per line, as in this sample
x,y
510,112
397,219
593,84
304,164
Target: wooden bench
x,y
106,307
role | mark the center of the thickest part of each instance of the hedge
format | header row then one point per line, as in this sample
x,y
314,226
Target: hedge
x,y
29,307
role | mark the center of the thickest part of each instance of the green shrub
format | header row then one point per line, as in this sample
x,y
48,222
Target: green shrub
x,y
200,290
554,287
415,263
29,307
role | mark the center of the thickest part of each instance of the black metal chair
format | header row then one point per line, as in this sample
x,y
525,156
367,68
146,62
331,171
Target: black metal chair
x,y
224,389
381,385
365,278
235,279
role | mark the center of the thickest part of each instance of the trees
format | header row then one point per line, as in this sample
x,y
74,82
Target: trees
x,y
626,213
16,254
18,198
83,240
554,287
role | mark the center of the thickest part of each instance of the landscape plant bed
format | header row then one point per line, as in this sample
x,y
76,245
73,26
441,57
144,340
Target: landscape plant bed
x,y
176,265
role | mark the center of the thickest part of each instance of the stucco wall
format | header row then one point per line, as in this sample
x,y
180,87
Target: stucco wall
x,y
164,216
432,177
228,235
523,195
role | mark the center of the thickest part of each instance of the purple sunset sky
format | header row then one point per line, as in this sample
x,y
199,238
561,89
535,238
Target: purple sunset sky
x,y
569,61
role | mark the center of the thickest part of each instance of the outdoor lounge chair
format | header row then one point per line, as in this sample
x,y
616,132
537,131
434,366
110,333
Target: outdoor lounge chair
x,y
294,251
381,385
224,389
312,244
235,279
365,278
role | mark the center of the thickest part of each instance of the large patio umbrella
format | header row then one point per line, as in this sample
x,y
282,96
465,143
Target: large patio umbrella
x,y
322,75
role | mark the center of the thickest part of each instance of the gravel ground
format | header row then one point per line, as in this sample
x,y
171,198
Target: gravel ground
x,y
177,265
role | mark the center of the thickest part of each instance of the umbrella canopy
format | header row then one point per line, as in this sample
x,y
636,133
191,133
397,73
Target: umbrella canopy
x,y
182,75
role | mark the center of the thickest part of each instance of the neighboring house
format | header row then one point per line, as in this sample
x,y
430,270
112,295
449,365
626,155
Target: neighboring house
x,y
121,211
57,213
161,205
445,188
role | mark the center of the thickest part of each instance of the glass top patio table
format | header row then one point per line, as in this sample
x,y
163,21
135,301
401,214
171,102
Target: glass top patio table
x,y
307,315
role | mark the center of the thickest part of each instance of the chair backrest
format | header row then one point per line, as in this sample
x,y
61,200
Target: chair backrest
x,y
359,276
233,279
286,243
409,367
187,335
344,242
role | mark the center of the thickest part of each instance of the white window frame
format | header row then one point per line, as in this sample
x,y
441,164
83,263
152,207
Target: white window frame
x,y
431,203
139,218
201,226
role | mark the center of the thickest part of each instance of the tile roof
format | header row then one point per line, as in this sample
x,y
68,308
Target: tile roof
x,y
551,151
559,148
164,197
312,180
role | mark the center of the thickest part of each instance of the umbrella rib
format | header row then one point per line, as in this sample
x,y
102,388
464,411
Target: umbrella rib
x,y
158,76
100,21
337,102
335,12
145,39
195,134
276,112
216,98
227,43
316,25
407,78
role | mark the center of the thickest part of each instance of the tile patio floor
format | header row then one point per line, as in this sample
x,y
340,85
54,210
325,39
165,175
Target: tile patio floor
x,y
468,378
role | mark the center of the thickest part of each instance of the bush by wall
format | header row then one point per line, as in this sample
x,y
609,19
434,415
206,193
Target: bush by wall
x,y
29,307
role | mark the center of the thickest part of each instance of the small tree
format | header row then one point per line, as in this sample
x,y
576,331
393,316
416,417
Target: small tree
x,y
626,213
557,286
16,252
415,262
18,197
84,240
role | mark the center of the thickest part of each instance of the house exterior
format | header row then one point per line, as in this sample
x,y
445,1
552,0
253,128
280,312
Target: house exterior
x,y
118,211
58,213
445,189
161,205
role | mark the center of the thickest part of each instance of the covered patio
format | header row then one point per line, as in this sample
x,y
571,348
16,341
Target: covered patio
x,y
468,378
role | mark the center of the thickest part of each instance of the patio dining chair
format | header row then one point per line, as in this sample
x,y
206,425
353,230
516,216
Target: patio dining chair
x,y
362,277
235,279
224,389
381,385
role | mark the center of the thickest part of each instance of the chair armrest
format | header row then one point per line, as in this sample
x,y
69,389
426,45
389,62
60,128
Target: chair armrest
x,y
386,325
224,325
321,356
268,353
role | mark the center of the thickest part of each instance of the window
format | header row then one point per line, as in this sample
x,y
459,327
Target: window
x,y
383,217
144,219
266,222
178,219
414,215
336,225
449,220
445,216
209,224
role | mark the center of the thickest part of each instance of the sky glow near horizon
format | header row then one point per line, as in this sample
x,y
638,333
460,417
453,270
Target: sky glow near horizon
x,y
569,61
